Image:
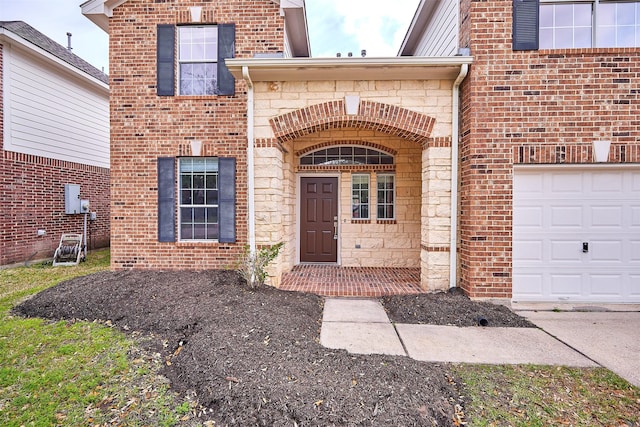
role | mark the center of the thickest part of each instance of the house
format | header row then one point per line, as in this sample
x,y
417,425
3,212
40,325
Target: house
x,y
54,130
237,137
424,161
549,191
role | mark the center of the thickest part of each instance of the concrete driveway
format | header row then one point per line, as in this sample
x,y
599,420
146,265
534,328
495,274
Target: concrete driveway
x,y
611,339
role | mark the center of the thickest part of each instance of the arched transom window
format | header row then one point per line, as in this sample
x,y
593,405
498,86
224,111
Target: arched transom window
x,y
346,155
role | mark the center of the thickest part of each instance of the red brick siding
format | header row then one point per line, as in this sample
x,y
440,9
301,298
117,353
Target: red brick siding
x,y
32,198
529,107
145,127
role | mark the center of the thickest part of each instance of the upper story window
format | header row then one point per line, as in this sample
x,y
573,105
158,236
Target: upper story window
x,y
197,52
197,60
566,24
348,155
618,24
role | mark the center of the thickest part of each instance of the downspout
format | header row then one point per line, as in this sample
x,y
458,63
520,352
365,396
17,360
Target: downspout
x,y
250,162
455,131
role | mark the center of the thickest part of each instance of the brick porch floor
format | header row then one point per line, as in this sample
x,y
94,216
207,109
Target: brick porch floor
x,y
328,280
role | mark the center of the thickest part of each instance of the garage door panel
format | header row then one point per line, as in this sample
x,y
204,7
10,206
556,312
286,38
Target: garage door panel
x,y
529,250
528,216
532,185
606,216
635,182
563,209
566,250
566,183
608,285
564,285
606,182
634,286
609,251
634,253
635,216
530,285
566,216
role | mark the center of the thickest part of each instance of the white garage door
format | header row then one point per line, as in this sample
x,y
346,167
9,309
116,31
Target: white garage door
x,y
576,235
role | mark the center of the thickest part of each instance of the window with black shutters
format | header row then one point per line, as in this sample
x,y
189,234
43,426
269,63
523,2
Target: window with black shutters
x,y
204,195
201,51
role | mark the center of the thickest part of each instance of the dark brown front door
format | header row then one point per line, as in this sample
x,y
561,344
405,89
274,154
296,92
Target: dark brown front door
x,y
319,215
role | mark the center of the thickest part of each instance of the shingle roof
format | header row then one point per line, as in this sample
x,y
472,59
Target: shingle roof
x,y
34,36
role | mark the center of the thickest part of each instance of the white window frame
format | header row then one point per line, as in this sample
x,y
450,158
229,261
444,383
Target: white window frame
x,y
595,19
205,60
359,202
380,203
192,205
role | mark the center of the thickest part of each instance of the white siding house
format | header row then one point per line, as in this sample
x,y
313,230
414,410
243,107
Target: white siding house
x,y
434,30
54,130
61,115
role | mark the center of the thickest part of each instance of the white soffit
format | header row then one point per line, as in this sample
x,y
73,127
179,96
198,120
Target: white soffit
x,y
306,69
99,11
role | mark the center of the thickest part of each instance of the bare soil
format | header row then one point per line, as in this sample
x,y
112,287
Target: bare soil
x,y
253,358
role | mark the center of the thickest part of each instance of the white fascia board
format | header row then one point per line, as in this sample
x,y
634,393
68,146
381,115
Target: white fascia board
x,y
99,11
15,41
369,68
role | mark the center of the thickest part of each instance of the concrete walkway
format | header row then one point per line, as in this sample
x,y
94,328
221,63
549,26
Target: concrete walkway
x,y
569,339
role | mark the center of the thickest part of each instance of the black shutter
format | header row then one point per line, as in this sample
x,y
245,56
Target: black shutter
x,y
166,199
227,199
166,60
226,49
526,21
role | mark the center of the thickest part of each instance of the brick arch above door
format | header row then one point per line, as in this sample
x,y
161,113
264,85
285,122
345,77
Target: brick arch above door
x,y
377,116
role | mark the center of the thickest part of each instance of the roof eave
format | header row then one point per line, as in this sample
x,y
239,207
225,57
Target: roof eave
x,y
99,11
308,69
25,45
295,15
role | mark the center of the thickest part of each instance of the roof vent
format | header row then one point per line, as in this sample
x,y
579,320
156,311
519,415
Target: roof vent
x,y
69,48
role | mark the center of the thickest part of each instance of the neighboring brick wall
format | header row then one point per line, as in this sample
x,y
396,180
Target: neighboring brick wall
x,y
145,126
32,198
543,107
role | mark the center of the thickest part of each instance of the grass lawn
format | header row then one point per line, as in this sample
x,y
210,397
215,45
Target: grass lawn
x,y
524,395
74,373
88,373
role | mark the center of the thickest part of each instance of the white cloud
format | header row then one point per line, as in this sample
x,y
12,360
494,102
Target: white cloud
x,y
378,26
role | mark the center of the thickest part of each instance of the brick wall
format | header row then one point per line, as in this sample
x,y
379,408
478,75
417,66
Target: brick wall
x,y
32,199
145,126
542,107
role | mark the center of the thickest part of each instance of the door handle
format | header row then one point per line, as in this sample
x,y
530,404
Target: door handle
x,y
335,228
585,247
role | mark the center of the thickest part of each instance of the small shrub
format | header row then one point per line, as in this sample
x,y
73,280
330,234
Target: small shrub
x,y
252,267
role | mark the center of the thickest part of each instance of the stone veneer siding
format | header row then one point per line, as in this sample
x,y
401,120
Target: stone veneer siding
x,y
532,107
411,119
145,126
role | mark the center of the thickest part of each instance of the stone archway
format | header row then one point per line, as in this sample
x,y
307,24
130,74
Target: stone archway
x,y
370,115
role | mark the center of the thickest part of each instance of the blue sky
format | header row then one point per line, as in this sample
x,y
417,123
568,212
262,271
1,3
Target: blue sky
x,y
334,26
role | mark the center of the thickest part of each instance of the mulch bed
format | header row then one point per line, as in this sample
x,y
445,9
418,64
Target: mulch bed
x,y
254,358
